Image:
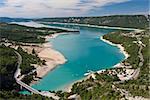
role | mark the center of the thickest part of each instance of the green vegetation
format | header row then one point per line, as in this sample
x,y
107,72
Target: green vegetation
x,y
94,89
140,86
130,21
128,44
27,60
26,65
8,65
8,58
97,89
106,77
144,75
13,95
27,79
19,33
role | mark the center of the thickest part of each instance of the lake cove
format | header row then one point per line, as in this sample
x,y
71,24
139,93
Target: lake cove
x,y
84,52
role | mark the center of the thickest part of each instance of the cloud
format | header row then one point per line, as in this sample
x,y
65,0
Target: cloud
x,y
51,8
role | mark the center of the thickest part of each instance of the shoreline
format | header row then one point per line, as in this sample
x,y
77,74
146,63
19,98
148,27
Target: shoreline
x,y
96,26
38,25
45,52
48,46
52,58
68,87
122,49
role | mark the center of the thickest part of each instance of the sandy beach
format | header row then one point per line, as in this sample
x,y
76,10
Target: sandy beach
x,y
45,52
51,56
68,87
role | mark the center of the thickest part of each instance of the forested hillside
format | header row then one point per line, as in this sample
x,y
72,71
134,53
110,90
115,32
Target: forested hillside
x,y
129,21
19,33
8,65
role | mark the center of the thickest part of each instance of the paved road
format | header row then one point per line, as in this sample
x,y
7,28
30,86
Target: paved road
x,y
18,71
29,88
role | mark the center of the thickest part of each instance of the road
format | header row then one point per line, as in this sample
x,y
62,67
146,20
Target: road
x,y
18,71
29,88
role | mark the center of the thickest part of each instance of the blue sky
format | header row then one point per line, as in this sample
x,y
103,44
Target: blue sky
x,y
65,8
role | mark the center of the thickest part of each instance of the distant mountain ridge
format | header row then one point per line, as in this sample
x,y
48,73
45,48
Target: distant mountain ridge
x,y
7,19
127,21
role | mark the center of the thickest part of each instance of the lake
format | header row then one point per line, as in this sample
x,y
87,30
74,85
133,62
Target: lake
x,y
84,52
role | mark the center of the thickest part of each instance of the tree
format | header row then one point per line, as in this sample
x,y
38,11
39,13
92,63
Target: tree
x,y
33,51
43,62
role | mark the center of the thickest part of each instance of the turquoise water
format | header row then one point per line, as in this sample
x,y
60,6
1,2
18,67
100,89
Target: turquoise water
x,y
84,52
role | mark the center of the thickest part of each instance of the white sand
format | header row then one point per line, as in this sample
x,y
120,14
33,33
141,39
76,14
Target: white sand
x,y
51,56
69,86
52,36
47,53
31,24
44,51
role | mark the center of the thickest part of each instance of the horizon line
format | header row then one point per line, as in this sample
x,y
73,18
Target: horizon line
x,y
77,16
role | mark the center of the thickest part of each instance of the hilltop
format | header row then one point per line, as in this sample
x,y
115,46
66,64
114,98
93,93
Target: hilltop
x,y
126,21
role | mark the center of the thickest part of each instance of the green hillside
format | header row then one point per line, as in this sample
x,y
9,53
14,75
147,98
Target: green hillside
x,y
128,21
19,33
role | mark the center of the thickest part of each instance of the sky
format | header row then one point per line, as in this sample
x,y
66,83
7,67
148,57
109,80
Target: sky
x,y
66,8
